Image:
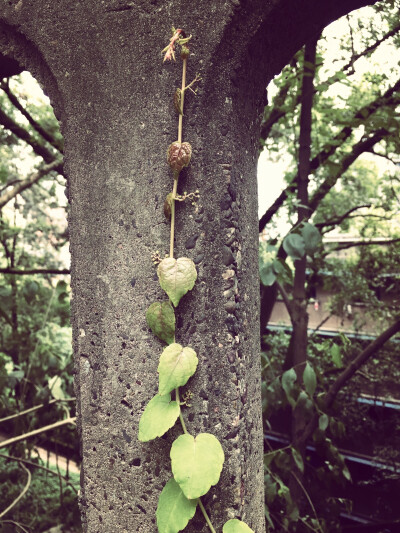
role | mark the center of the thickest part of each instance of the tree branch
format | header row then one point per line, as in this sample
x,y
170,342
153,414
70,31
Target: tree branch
x,y
339,219
35,125
29,181
35,465
359,361
362,146
371,48
21,495
382,242
349,372
35,408
18,272
25,136
24,436
388,98
277,112
385,157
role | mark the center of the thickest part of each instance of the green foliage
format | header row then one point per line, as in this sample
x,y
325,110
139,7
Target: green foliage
x,y
309,380
294,246
196,463
36,364
160,318
177,277
177,365
235,526
45,502
159,416
174,510
350,196
311,237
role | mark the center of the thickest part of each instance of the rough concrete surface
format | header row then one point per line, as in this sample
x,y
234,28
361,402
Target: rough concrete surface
x,y
100,63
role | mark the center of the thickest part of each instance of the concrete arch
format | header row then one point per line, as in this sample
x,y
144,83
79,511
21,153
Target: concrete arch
x,y
100,64
20,53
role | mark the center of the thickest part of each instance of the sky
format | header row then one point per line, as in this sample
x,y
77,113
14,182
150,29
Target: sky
x,y
271,174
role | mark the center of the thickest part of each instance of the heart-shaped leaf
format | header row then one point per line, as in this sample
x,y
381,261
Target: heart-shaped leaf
x,y
312,238
336,356
310,379
236,526
323,422
196,463
267,274
294,246
176,366
55,388
288,384
158,417
177,277
160,318
298,459
174,510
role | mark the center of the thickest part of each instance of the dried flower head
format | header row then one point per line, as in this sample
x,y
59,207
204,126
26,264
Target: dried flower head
x,y
178,155
170,48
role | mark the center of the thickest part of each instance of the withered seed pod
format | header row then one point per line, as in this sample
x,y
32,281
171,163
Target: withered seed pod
x,y
178,101
168,206
178,155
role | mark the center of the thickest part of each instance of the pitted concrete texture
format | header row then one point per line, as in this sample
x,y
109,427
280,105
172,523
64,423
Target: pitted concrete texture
x,y
100,62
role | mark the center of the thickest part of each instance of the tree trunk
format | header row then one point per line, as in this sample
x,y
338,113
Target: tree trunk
x,y
297,351
101,65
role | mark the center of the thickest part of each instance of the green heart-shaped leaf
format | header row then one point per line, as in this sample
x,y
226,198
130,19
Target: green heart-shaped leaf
x,y
176,366
158,417
312,238
310,379
236,526
196,463
267,274
288,384
177,277
294,246
55,388
160,318
174,510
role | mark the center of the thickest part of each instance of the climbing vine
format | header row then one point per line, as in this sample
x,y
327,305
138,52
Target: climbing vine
x,y
196,462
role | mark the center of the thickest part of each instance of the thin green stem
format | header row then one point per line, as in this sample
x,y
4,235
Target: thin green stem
x,y
178,400
182,99
172,236
207,518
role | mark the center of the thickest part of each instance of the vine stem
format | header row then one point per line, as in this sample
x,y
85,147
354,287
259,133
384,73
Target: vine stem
x,y
182,99
172,234
178,400
171,254
207,518
21,495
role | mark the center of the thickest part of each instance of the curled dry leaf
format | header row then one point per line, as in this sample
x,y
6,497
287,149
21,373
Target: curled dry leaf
x,y
178,155
168,205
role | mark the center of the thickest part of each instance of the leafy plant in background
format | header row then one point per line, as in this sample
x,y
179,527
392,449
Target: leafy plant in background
x,y
36,369
328,188
196,462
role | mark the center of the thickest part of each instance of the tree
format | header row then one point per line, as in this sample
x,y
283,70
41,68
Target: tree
x,y
36,381
327,186
102,71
